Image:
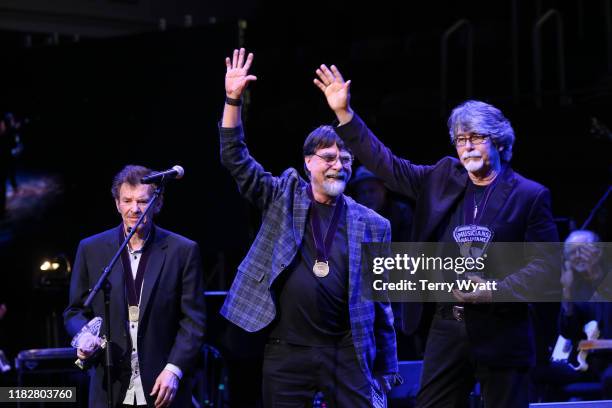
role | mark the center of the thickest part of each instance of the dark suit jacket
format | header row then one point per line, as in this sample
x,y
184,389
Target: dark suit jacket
x,y
518,211
171,327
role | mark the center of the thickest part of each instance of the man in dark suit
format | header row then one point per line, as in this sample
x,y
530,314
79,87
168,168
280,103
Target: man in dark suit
x,y
489,342
302,276
157,304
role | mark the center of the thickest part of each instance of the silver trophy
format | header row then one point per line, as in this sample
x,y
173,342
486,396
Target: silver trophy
x,y
83,340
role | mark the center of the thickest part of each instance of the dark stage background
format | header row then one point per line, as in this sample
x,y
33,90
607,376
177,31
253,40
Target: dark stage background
x,y
154,98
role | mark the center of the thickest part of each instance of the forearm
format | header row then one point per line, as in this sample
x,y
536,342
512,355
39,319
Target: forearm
x,y
75,315
384,334
344,116
398,174
231,116
254,183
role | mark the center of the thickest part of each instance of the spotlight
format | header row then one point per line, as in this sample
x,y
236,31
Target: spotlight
x,y
54,272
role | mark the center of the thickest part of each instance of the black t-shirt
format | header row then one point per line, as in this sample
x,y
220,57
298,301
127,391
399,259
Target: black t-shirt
x,y
456,216
313,311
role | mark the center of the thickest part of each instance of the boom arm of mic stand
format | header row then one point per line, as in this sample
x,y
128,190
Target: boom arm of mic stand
x,y
104,284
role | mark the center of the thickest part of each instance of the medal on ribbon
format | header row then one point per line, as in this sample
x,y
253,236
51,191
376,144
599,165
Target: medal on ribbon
x,y
133,313
323,244
321,269
133,284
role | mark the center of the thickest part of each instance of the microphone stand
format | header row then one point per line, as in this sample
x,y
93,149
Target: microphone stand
x,y
105,285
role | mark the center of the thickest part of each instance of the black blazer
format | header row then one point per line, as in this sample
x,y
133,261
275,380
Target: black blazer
x,y
518,211
171,327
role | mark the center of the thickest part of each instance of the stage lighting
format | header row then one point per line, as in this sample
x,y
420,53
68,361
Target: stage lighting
x,y
54,272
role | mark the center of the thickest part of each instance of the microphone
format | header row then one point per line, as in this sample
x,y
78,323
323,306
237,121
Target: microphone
x,y
175,172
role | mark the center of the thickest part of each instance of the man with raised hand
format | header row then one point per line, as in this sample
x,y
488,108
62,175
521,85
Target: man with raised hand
x,y
301,278
463,200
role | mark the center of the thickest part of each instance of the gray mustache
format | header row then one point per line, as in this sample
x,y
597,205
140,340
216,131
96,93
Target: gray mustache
x,y
339,176
467,155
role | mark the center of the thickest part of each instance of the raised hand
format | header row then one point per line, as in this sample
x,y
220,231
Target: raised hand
x,y
236,76
333,86
336,91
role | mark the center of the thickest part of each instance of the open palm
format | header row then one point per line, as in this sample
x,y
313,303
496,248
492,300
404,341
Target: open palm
x,y
333,86
237,74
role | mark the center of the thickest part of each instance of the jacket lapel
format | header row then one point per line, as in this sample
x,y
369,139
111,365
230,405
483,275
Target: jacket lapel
x,y
300,212
154,267
116,279
356,234
355,227
498,198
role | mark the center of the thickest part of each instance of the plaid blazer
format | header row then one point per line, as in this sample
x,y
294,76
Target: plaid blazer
x,y
285,205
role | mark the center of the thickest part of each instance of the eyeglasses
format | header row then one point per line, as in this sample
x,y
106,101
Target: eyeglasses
x,y
331,159
474,138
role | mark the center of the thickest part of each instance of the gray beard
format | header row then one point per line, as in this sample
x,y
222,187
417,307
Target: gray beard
x,y
334,188
473,166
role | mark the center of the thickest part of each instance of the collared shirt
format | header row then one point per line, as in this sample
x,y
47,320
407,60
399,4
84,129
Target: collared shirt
x,y
135,390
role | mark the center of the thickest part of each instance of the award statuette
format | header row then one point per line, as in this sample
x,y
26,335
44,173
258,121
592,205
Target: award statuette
x,y
321,269
80,340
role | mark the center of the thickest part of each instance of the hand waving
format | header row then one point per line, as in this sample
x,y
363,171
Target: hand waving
x,y
336,91
236,76
333,86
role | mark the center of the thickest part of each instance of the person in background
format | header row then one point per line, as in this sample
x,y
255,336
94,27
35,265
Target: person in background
x,y
586,308
370,191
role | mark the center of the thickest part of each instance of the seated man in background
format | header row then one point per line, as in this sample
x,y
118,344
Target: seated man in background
x,y
583,278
